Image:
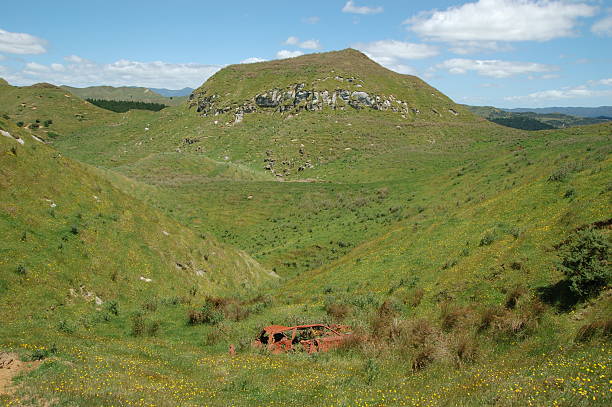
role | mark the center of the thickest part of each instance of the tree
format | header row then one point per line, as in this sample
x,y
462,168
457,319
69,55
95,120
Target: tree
x,y
585,261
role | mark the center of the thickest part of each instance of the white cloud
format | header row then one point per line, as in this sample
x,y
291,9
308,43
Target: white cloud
x,y
252,60
21,43
556,94
75,59
36,67
2,57
81,72
311,20
471,47
397,49
308,44
606,82
292,41
603,27
589,90
501,20
350,7
283,54
392,53
493,68
58,67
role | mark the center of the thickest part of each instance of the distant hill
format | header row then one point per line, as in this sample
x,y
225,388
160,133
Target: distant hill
x,y
533,120
128,93
572,111
173,92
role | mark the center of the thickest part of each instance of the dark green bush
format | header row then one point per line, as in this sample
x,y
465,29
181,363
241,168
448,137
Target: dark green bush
x,y
207,315
112,307
487,239
585,261
43,353
138,325
65,326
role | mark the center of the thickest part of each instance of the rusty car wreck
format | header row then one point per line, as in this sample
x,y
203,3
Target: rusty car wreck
x,y
308,338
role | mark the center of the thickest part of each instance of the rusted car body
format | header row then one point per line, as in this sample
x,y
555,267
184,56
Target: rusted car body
x,y
308,338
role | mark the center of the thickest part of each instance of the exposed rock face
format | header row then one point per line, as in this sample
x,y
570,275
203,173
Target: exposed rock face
x,y
297,97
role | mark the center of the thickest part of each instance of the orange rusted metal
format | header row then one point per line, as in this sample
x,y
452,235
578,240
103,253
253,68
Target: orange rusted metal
x,y
309,338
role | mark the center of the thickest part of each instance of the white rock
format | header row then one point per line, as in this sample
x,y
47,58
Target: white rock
x,y
165,233
146,280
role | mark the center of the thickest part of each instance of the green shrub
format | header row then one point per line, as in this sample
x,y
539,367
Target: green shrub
x,y
138,325
596,328
112,307
207,315
65,326
42,353
585,261
152,328
487,239
21,270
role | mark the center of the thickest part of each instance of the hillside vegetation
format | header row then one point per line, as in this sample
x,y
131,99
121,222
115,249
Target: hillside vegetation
x,y
122,106
471,260
128,93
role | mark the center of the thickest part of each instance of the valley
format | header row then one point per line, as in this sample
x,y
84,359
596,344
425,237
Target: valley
x,y
139,246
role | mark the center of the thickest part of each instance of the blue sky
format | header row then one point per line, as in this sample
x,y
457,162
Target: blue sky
x,y
506,53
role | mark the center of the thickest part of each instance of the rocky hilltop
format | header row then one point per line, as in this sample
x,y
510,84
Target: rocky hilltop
x,y
341,80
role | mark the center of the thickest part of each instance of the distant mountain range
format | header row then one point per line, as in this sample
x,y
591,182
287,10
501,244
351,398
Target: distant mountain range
x,y
572,111
529,120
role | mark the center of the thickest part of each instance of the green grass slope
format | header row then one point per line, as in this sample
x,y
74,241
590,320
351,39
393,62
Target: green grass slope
x,y
455,300
65,230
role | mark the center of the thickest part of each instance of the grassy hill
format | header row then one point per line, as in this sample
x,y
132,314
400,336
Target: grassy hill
x,y
437,236
135,94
